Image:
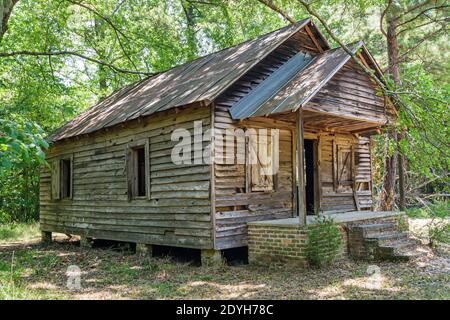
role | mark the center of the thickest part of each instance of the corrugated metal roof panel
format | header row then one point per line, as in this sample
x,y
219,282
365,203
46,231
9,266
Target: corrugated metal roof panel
x,y
306,83
249,104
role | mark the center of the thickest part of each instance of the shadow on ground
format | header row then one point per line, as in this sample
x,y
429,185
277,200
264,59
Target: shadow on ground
x,y
36,271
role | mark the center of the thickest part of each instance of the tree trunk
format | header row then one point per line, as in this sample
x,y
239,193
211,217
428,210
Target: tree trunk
x,y
6,7
390,160
101,70
190,30
401,173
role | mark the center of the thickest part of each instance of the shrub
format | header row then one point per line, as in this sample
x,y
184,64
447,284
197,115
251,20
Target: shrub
x,y
324,242
438,227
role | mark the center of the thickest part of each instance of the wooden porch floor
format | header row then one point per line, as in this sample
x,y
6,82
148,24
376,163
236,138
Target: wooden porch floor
x,y
337,217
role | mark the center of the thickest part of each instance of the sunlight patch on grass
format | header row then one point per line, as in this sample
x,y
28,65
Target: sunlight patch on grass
x,y
14,232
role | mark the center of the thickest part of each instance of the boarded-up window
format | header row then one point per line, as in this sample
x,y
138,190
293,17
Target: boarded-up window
x,y
262,163
138,170
62,178
343,167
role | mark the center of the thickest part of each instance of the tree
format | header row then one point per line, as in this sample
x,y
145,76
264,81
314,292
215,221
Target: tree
x,y
402,18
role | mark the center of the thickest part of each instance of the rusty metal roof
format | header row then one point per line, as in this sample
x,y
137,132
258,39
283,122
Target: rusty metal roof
x,y
202,79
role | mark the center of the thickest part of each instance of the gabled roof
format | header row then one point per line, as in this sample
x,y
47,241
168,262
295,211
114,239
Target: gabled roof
x,y
299,89
202,79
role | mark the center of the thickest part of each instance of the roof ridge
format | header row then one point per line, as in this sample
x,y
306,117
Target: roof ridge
x,y
211,74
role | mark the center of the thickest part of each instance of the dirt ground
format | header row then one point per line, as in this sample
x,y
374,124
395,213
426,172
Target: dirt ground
x,y
63,270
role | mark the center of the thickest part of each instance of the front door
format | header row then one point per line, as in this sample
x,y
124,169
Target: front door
x,y
310,158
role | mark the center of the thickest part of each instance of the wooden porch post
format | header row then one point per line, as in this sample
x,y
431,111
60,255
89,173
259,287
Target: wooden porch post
x,y
301,196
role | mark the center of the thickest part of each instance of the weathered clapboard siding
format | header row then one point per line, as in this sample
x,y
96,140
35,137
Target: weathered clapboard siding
x,y
363,173
234,206
351,94
343,197
179,209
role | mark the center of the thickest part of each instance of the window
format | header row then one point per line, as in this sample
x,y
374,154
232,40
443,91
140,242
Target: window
x,y
140,159
262,156
343,167
138,170
62,178
66,179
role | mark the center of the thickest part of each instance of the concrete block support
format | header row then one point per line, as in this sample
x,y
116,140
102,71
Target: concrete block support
x,y
46,237
144,249
85,242
211,257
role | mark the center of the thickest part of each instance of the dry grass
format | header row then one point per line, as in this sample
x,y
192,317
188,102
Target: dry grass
x,y
40,272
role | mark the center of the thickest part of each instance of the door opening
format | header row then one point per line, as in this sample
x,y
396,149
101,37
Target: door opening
x,y
309,175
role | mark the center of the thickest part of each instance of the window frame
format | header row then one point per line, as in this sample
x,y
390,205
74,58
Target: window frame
x,y
249,166
57,177
131,167
339,148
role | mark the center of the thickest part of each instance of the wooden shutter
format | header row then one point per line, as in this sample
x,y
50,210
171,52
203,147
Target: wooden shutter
x,y
343,166
56,179
129,170
261,178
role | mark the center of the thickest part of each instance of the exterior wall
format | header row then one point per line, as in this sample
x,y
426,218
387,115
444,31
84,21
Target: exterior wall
x,y
351,93
357,196
235,205
287,243
178,211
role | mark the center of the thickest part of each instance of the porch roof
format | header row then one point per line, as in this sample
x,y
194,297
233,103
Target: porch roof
x,y
293,92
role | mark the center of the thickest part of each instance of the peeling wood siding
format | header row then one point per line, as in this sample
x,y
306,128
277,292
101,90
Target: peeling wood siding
x,y
178,212
234,207
351,93
343,200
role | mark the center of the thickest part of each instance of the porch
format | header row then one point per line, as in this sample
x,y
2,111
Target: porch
x,y
366,235
339,218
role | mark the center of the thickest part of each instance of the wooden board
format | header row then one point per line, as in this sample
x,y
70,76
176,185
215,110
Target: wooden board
x,y
177,209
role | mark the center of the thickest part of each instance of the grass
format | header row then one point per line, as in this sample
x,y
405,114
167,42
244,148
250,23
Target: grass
x,y
437,209
18,232
434,219
29,270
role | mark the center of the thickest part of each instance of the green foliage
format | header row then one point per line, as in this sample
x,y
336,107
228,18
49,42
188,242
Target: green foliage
x,y
437,209
21,154
152,36
324,242
21,142
439,233
438,223
13,232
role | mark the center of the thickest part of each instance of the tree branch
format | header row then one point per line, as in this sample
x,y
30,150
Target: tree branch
x,y
382,18
271,5
427,37
71,53
420,5
6,9
116,30
423,25
421,13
